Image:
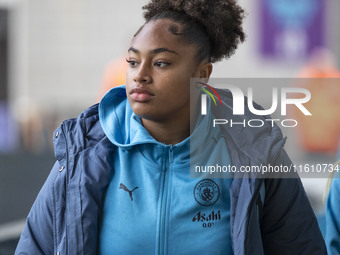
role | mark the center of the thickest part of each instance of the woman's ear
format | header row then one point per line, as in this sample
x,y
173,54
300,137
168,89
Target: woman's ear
x,y
206,70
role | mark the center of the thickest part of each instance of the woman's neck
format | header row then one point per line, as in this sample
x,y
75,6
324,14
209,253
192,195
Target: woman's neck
x,y
168,132
173,130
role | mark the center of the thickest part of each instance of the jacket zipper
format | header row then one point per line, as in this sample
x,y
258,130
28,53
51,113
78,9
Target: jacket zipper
x,y
164,200
62,127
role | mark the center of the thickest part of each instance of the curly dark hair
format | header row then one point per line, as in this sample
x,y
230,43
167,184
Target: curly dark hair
x,y
214,25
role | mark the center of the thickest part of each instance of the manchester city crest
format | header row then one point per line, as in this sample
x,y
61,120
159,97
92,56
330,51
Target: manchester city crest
x,y
206,192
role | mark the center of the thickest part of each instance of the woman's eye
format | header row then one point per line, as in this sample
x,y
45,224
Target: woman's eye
x,y
161,64
132,63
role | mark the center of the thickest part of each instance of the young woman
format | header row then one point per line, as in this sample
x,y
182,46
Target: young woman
x,y
121,183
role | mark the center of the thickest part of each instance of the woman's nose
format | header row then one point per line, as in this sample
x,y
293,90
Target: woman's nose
x,y
142,75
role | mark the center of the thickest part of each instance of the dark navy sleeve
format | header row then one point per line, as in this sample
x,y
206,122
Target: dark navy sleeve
x,y
37,236
289,225
333,218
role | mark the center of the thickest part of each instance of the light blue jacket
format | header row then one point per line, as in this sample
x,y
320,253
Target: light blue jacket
x,y
65,217
158,208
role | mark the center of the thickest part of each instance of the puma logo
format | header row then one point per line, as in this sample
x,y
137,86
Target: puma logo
x,y
122,186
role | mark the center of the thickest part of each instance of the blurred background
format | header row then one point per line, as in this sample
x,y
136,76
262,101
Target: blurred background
x,y
59,57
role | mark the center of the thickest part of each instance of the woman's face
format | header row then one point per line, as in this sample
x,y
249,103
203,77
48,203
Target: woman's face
x,y
158,76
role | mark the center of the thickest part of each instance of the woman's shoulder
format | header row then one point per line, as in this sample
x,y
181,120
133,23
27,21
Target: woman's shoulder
x,y
83,124
77,134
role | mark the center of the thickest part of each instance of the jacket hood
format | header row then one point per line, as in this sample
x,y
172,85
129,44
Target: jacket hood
x,y
124,128
259,145
120,124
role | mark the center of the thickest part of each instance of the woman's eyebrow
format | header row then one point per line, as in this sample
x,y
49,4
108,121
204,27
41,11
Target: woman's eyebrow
x,y
133,50
159,50
154,51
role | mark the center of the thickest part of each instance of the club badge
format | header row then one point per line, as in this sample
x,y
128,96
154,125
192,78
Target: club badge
x,y
206,192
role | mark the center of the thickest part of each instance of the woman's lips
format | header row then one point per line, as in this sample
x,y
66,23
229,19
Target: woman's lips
x,y
141,95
